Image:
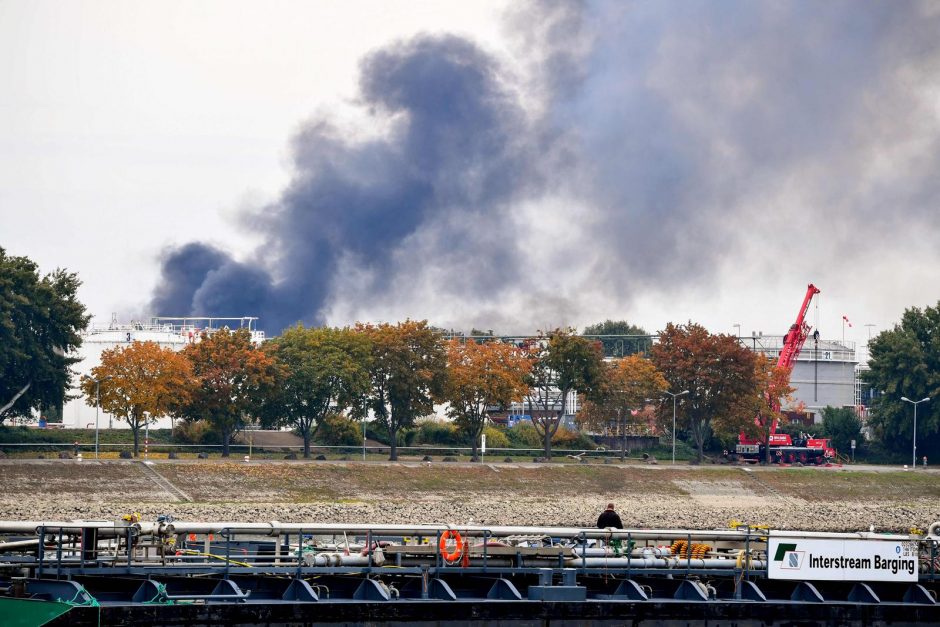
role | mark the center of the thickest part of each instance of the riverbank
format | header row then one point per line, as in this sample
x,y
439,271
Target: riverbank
x,y
822,499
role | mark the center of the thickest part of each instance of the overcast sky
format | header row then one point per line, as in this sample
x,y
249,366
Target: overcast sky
x,y
500,165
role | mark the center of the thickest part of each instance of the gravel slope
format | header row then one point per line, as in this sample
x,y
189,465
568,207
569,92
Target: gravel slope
x,y
499,494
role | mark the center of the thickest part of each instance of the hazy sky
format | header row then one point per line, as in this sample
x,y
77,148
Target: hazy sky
x,y
502,165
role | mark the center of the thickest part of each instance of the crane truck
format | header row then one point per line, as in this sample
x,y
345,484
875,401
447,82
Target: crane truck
x,y
784,448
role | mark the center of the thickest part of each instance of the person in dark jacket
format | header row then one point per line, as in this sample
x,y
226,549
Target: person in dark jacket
x,y
609,518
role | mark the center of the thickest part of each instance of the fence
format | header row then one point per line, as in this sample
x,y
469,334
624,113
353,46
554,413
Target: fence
x,y
87,448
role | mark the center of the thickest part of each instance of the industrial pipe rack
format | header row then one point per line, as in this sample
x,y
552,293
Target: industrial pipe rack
x,y
174,572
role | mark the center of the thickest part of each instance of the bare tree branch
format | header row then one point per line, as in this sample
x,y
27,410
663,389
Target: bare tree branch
x,y
15,398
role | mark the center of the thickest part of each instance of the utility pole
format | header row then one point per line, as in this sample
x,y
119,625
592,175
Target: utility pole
x,y
915,404
674,421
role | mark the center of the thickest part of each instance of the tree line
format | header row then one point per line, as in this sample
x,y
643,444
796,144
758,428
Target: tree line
x,y
396,373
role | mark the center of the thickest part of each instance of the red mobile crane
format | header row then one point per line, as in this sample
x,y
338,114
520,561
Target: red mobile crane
x,y
782,447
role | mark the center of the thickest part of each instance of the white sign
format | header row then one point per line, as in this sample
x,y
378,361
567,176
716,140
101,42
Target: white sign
x,y
842,560
483,443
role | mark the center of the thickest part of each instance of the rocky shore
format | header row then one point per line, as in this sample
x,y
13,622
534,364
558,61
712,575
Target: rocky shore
x,y
569,497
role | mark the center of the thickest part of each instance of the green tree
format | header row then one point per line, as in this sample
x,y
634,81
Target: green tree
x,y
323,371
841,425
138,383
408,372
482,377
232,379
40,324
562,363
719,374
905,362
636,339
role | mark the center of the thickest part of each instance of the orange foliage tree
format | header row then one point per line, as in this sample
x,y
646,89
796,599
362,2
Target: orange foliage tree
x,y
233,377
407,372
719,374
138,383
480,377
626,385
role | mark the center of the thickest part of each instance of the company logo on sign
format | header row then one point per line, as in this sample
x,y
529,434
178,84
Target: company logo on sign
x,y
789,557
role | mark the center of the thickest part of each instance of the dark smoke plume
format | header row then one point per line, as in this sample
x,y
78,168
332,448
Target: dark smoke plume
x,y
456,155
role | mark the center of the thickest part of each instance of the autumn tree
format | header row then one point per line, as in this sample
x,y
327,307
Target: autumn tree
x,y
232,379
139,383
626,386
408,370
562,363
482,376
635,339
324,371
40,324
719,374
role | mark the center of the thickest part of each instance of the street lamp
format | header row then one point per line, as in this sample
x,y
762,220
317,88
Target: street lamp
x,y
97,383
674,421
915,404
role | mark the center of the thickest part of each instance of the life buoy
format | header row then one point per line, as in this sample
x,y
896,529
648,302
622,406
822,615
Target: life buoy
x,y
448,555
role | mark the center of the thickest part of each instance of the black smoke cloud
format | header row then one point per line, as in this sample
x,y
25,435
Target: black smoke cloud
x,y
456,152
662,145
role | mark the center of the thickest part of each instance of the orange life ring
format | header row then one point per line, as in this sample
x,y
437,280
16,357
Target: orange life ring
x,y
451,556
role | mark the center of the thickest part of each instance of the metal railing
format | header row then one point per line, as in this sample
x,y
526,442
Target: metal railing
x,y
440,450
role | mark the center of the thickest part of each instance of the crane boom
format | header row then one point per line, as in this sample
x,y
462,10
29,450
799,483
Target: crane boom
x,y
795,338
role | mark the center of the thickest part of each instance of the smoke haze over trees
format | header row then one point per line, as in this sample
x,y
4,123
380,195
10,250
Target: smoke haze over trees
x,y
632,148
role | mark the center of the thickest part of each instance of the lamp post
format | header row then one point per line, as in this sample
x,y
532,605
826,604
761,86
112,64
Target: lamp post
x,y
674,421
98,406
915,404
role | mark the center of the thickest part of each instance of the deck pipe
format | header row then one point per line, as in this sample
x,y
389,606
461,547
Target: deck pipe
x,y
656,562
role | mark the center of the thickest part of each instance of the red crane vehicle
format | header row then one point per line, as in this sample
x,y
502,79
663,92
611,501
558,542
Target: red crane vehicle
x,y
783,448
